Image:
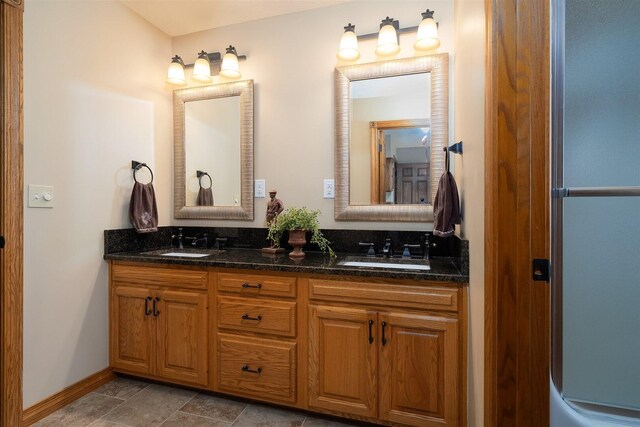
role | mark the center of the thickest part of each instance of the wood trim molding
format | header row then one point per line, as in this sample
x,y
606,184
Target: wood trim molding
x,y
11,212
75,391
18,4
517,323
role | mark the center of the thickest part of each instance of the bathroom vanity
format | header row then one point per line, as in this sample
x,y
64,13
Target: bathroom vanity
x,y
385,346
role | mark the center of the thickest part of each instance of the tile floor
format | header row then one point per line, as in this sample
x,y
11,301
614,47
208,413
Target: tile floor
x,y
133,403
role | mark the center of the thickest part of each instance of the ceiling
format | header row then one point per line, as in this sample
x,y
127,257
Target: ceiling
x,y
178,17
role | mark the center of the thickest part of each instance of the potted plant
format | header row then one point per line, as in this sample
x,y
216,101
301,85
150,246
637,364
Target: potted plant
x,y
297,221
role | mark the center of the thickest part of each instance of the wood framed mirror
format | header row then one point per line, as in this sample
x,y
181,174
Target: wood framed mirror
x,y
377,180
213,151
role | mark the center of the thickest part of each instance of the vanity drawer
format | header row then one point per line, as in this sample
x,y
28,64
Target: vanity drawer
x,y
394,295
257,367
159,276
257,285
262,316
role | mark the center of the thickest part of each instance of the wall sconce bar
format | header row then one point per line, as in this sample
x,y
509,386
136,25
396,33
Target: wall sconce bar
x,y
216,58
396,25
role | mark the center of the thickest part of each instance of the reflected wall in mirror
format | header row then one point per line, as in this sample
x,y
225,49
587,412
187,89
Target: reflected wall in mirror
x,y
391,126
213,151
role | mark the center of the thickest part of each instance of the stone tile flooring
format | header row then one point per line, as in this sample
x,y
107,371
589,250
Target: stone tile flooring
x,y
134,403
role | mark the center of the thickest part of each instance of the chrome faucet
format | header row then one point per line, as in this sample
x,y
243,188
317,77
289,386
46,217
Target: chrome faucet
x,y
202,241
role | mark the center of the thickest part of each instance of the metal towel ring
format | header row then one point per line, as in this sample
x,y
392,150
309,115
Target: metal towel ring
x,y
200,174
137,166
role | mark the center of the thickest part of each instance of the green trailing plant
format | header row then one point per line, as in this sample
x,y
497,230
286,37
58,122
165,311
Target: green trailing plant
x,y
299,219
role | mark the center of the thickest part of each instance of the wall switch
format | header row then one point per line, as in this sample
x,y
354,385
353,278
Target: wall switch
x,y
260,185
40,196
329,189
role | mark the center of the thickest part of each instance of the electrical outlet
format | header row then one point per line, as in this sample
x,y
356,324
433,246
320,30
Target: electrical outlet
x,y
260,186
329,189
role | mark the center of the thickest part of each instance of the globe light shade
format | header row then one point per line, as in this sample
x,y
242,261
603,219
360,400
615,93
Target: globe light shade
x,y
175,73
427,38
230,68
348,50
202,69
387,39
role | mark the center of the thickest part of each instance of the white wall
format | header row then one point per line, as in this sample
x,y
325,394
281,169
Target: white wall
x,y
94,101
291,59
469,76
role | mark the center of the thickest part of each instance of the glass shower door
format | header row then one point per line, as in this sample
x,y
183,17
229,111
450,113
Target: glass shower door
x,y
596,205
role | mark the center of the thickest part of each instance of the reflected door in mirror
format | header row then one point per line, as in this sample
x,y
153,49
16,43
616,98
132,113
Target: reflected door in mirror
x,y
390,140
212,145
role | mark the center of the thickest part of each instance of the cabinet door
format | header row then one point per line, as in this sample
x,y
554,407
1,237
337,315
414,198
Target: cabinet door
x,y
419,363
182,336
343,360
132,329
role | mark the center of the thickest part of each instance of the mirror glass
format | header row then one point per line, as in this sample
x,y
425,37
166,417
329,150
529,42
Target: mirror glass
x,y
212,146
213,151
391,126
390,140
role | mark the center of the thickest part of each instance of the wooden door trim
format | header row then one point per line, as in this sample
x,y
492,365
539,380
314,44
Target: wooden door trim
x,y
11,212
517,323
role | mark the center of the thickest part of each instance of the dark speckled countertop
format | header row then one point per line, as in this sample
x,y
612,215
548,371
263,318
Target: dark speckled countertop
x,y
442,269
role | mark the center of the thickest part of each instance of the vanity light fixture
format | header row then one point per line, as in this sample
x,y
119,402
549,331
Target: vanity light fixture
x,y
388,38
202,68
175,74
349,44
230,68
206,66
427,38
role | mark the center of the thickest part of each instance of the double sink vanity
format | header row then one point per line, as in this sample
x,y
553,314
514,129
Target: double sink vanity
x,y
378,340
375,343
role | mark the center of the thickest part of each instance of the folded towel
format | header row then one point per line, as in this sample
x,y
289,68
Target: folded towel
x,y
143,212
446,206
205,197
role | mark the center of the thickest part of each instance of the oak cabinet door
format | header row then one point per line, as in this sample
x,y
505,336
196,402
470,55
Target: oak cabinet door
x,y
182,336
419,378
343,357
132,329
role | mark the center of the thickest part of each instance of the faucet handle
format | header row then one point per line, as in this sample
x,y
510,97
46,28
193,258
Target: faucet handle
x,y
406,253
372,248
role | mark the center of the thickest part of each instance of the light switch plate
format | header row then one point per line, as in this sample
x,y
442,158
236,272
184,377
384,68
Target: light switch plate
x,y
329,189
260,185
41,196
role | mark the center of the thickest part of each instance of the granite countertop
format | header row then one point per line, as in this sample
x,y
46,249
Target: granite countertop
x,y
442,269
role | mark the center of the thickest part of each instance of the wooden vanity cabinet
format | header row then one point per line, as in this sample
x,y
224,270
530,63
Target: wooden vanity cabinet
x,y
158,323
386,351
374,353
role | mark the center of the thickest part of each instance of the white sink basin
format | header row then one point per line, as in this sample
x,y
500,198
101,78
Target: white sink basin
x,y
421,267
185,254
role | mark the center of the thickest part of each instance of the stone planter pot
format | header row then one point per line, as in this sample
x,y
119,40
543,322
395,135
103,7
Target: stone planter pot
x,y
297,239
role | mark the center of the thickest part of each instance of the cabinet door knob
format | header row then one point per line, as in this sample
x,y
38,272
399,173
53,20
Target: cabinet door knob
x,y
156,312
147,311
246,368
384,339
247,317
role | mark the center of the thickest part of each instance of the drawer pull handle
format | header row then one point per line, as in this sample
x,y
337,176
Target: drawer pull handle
x,y
370,331
147,311
156,312
384,339
247,317
248,285
246,368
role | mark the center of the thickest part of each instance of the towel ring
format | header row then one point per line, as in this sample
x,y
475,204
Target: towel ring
x,y
200,174
136,166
